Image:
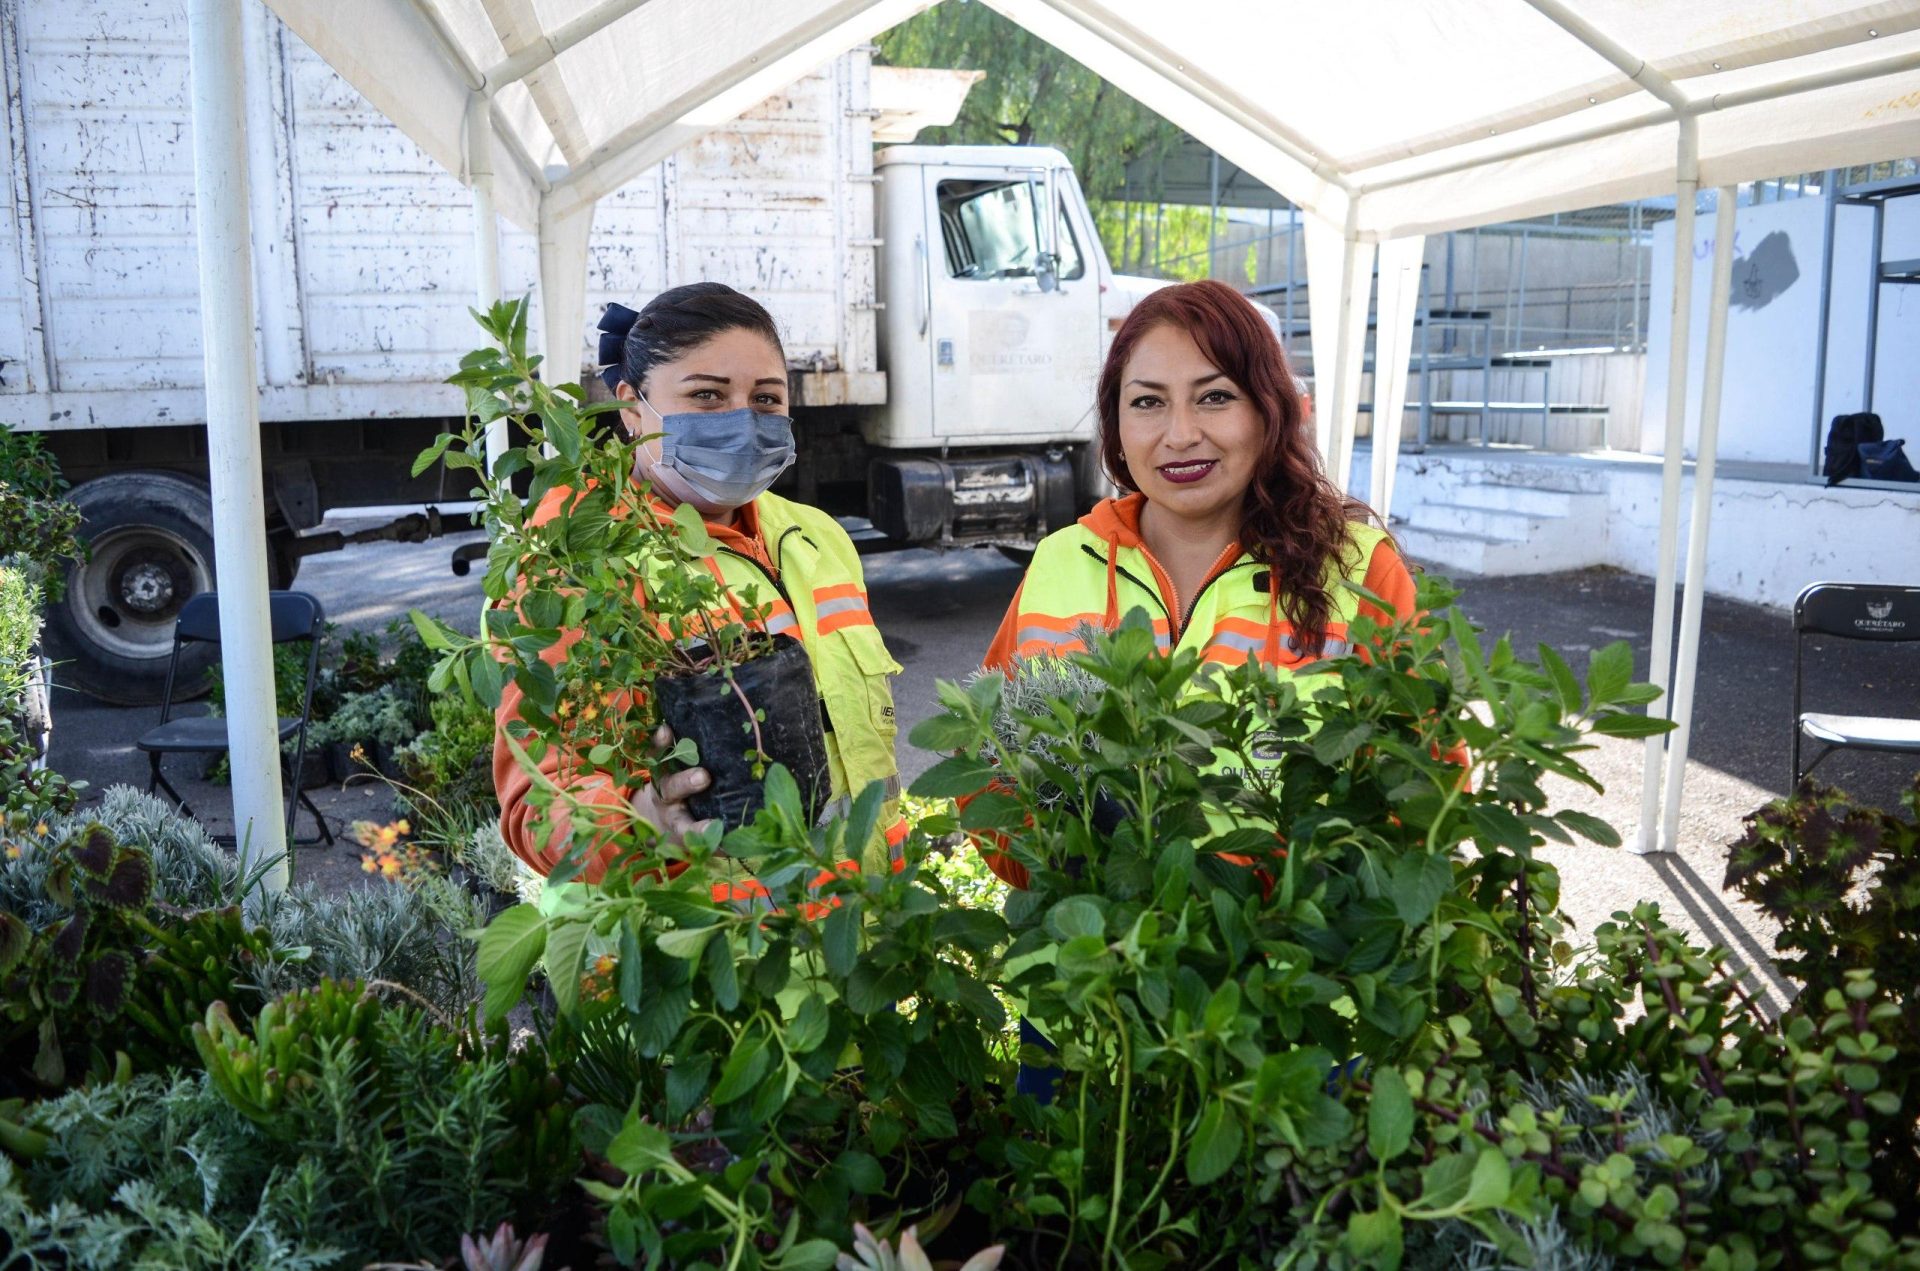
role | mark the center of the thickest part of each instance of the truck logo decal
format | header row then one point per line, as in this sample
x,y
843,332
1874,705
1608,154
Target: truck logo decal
x,y
997,344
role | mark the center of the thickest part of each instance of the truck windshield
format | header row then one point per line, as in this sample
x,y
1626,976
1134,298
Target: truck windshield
x,y
992,230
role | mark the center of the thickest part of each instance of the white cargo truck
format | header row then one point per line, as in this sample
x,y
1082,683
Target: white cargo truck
x,y
943,331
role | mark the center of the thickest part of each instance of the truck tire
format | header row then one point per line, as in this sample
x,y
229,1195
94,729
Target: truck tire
x,y
150,547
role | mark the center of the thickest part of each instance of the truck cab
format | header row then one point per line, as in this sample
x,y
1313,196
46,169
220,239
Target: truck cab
x,y
998,306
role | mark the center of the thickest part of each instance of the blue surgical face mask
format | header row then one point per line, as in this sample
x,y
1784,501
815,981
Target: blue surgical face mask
x,y
721,460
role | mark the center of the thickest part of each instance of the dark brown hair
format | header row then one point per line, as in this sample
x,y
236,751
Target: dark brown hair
x,y
677,321
1294,520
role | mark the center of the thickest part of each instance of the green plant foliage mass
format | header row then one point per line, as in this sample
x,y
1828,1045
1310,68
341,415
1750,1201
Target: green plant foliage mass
x,y
38,527
332,1130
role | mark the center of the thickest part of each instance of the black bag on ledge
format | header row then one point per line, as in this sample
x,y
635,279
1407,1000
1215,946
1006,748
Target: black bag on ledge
x,y
1844,437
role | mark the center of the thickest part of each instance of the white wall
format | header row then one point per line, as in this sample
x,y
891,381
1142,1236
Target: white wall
x,y
1767,409
1847,303
1769,538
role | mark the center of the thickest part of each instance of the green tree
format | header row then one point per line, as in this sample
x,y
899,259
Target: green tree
x,y
1033,94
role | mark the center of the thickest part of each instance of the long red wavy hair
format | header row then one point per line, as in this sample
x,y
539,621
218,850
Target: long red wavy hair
x,y
1294,520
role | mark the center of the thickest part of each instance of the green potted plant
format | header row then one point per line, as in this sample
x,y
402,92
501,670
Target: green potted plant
x,y
692,656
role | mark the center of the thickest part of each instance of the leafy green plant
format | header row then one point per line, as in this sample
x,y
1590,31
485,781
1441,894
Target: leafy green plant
x,y
96,972
38,527
382,716
30,795
1843,882
289,679
19,638
489,860
408,937
390,1136
1201,1002
449,766
68,982
192,962
755,1010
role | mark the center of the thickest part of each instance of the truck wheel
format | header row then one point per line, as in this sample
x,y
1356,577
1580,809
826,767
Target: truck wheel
x,y
150,542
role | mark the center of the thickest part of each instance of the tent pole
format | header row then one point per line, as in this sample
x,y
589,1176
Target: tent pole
x,y
1350,353
1393,349
214,34
1660,652
1719,293
486,233
563,289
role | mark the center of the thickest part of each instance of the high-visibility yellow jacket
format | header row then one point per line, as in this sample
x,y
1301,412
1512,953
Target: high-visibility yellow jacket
x,y
1093,572
799,562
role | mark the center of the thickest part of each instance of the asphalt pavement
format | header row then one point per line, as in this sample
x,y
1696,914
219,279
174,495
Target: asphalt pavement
x,y
938,612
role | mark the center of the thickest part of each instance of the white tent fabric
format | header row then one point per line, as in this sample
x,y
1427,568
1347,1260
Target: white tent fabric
x,y
1382,119
1432,116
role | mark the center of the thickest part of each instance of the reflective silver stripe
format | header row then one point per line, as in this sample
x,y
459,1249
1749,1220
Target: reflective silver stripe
x,y
1246,644
1059,639
844,804
1255,644
781,623
1042,635
844,604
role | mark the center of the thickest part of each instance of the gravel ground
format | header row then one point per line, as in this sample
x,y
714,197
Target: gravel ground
x,y
939,612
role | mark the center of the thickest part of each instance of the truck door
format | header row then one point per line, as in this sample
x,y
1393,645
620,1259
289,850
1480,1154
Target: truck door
x,y
1015,351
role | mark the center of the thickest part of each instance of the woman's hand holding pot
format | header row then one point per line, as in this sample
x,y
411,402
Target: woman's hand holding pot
x,y
662,803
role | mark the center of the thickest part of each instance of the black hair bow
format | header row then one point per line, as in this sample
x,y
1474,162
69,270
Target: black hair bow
x,y
615,321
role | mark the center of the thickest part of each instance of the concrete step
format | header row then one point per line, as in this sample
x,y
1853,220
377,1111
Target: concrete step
x,y
1526,498
1499,525
1443,551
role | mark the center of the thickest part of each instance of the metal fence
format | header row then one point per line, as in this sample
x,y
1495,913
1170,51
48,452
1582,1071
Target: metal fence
x,y
1574,280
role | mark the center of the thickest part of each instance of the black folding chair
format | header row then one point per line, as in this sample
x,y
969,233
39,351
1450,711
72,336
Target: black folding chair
x,y
295,616
1853,611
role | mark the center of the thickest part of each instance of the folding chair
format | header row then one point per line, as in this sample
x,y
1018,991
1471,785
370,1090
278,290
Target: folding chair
x,y
1853,611
295,616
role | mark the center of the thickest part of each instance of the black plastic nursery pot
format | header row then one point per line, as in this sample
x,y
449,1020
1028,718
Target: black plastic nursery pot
x,y
337,758
779,687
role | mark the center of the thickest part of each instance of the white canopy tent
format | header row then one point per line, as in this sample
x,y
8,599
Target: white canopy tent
x,y
1384,120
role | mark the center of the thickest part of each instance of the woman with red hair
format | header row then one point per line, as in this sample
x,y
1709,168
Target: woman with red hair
x,y
1230,536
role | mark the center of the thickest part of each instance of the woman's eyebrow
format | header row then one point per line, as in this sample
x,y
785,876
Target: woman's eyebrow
x,y
771,379
702,375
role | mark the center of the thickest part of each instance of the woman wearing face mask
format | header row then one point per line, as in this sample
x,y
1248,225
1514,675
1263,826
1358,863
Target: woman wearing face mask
x,y
702,367
1230,538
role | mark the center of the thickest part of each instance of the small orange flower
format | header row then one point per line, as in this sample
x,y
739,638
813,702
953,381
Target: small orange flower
x,y
40,829
402,826
604,964
390,866
13,851
367,864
